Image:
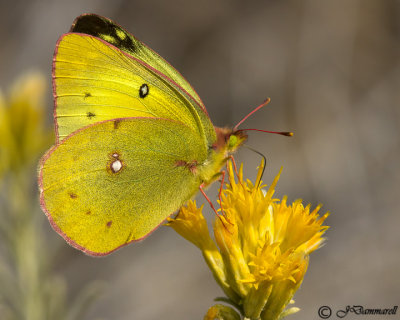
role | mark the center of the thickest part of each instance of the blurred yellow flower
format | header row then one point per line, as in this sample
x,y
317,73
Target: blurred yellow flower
x,y
30,288
261,249
23,130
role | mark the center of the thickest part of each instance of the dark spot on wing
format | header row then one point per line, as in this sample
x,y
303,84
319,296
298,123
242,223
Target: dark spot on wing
x,y
88,212
143,90
73,195
116,123
106,30
109,223
87,95
90,115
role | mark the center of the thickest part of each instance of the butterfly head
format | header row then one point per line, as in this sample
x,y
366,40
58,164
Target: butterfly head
x,y
229,140
235,140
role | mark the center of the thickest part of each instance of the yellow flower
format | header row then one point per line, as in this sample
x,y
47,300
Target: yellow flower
x,y
23,130
261,248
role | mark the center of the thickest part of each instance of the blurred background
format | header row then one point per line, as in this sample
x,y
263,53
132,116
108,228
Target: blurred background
x,y
332,71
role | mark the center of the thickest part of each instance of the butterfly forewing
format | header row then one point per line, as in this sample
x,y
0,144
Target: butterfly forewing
x,y
112,33
104,83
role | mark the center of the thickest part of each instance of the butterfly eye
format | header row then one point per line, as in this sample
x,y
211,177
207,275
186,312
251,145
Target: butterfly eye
x,y
232,141
144,90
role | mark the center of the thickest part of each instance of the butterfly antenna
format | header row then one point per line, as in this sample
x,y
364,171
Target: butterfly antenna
x,y
264,164
283,133
256,109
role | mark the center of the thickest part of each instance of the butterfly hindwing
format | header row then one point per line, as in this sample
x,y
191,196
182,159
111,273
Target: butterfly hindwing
x,y
113,182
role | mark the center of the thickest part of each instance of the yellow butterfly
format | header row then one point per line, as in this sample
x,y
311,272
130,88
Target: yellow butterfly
x,y
134,140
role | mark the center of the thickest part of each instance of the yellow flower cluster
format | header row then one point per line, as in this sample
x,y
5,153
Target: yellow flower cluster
x,y
261,248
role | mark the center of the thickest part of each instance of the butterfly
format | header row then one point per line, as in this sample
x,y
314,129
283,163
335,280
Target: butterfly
x,y
134,141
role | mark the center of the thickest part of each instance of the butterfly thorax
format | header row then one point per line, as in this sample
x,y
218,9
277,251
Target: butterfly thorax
x,y
227,142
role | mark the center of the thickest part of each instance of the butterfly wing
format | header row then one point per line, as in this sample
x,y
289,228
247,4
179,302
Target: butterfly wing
x,y
95,81
114,182
109,31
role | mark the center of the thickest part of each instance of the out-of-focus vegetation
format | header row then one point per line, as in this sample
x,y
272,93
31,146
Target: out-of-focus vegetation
x,y
29,288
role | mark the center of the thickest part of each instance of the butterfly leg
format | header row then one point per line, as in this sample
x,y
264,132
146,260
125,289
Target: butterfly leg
x,y
234,165
220,192
208,199
222,217
222,173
